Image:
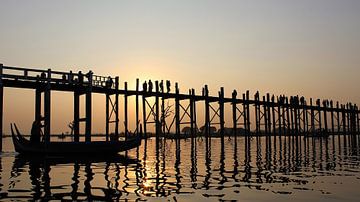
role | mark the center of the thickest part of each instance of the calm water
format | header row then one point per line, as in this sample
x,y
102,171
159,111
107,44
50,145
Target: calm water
x,y
257,169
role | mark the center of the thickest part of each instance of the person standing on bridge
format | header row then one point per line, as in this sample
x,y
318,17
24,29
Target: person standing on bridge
x,y
144,86
168,84
150,86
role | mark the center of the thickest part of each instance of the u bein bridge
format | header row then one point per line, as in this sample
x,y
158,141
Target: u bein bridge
x,y
278,115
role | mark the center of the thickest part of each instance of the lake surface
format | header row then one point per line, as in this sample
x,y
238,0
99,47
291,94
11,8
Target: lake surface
x,y
244,169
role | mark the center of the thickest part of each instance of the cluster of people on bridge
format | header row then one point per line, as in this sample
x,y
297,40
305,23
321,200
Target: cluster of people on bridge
x,y
148,86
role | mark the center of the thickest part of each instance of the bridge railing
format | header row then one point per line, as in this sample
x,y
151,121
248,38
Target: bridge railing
x,y
58,77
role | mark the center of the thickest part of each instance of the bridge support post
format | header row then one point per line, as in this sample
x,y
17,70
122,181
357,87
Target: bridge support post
x,y
221,105
137,106
47,108
76,126
1,106
126,110
177,110
88,106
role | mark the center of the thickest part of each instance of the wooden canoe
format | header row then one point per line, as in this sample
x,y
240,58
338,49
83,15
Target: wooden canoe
x,y
24,146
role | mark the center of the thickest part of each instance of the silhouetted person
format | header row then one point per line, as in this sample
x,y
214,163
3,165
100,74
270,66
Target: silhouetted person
x,y
109,82
161,85
145,86
35,132
64,78
168,84
80,77
234,93
71,77
43,76
150,86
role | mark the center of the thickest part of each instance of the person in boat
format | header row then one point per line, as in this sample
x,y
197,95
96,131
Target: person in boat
x,y
35,132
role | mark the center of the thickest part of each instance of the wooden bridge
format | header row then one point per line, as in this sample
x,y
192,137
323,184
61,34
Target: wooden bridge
x,y
274,115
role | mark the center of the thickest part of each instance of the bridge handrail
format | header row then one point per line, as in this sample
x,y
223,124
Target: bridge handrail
x,y
58,76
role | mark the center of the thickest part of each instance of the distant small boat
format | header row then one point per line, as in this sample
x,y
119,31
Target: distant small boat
x,y
24,146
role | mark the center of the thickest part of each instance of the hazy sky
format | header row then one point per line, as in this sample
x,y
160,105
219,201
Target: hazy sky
x,y
307,47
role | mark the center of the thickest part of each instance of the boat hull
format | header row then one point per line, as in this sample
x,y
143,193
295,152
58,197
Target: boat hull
x,y
26,147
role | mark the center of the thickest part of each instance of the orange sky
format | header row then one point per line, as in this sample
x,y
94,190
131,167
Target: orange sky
x,y
309,48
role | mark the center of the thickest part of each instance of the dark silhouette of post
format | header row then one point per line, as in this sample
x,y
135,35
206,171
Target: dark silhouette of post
x,y
332,117
137,106
221,109
207,112
1,105
47,108
144,95
157,110
234,114
88,106
177,109
76,115
126,117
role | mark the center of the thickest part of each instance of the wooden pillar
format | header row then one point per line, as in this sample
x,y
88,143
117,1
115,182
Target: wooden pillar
x,y
248,112
343,116
207,111
325,103
162,122
338,117
107,121
312,114
194,109
280,115
348,113
126,116
88,112
191,103
273,114
306,118
117,106
287,115
304,111
157,110
234,113
292,109
144,112
357,119
221,107
137,107
1,106
332,117
265,116
319,114
245,112
296,115
268,104
177,109
257,127
76,124
47,108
